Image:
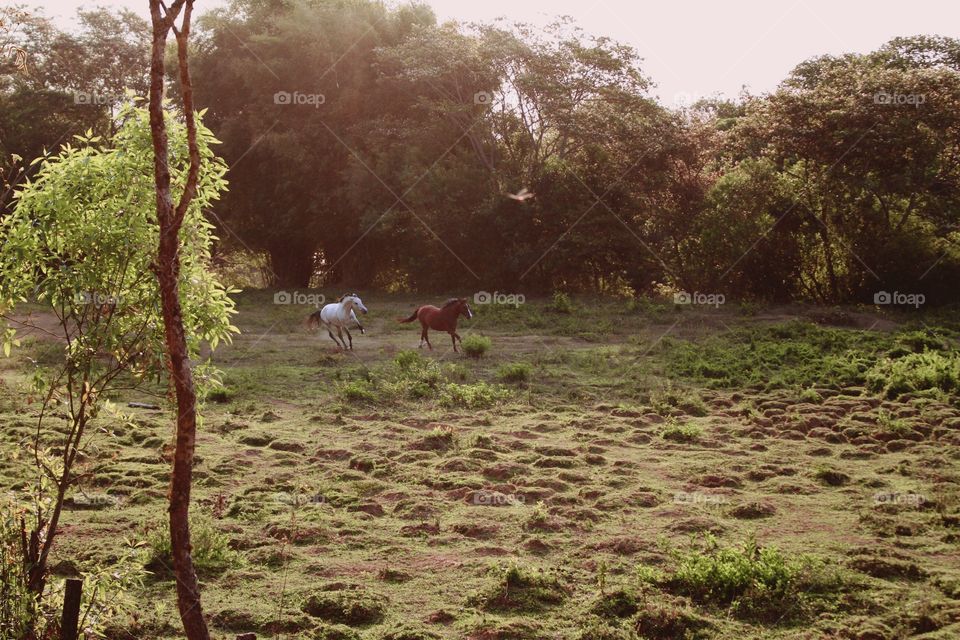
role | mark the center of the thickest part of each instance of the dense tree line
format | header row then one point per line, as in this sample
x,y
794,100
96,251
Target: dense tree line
x,y
374,147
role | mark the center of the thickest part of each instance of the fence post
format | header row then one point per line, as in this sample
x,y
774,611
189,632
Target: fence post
x,y
71,609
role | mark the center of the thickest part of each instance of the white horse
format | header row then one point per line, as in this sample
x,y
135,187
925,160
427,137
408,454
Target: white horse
x,y
339,315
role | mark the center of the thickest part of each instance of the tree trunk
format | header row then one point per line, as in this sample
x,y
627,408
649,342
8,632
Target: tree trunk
x,y
291,266
167,269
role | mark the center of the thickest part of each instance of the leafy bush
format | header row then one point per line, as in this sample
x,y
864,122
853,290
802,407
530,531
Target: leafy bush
x,y
479,395
916,372
357,391
105,598
792,354
680,432
211,548
515,372
561,303
756,582
476,346
19,613
670,398
408,359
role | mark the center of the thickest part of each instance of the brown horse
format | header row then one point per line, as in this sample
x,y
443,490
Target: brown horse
x,y
442,319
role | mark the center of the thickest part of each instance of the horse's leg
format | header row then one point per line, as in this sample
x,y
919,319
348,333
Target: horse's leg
x,y
453,339
350,337
459,339
426,337
340,335
330,333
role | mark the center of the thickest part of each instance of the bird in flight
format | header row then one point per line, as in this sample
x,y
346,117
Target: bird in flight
x,y
521,196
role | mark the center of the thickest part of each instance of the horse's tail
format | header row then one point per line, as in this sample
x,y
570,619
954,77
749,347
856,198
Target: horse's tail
x,y
412,317
313,320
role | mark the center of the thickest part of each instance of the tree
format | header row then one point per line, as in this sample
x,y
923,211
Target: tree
x,y
870,146
63,83
79,242
167,267
286,84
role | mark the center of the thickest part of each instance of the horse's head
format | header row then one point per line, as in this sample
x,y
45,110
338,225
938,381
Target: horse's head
x,y
463,308
352,300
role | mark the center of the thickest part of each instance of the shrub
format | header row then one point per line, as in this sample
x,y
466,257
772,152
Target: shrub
x,y
407,360
476,346
680,432
561,303
221,395
479,395
18,610
515,372
916,372
668,399
357,391
211,548
793,354
756,582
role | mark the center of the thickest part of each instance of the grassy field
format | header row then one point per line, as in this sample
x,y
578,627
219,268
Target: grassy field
x,y
624,470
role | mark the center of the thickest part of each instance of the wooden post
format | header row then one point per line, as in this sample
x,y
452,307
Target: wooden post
x,y
71,609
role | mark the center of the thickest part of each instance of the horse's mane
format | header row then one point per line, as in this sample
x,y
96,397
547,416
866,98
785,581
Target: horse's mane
x,y
346,295
450,302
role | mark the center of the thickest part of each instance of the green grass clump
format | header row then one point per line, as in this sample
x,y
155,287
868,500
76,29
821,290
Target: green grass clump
x,y
357,391
561,303
666,400
681,432
440,439
661,618
516,589
930,370
211,550
479,395
476,346
347,606
333,632
221,395
515,372
408,359
792,354
758,583
406,632
890,422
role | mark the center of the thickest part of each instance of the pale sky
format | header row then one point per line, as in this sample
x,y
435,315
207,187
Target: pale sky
x,y
697,48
